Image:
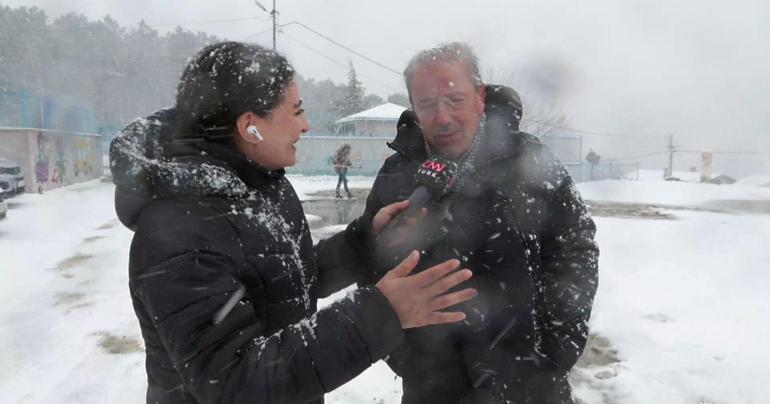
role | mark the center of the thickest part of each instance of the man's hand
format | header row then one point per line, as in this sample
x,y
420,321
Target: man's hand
x,y
419,299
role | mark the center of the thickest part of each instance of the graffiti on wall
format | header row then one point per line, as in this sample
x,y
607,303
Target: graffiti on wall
x,y
60,167
63,159
82,153
41,161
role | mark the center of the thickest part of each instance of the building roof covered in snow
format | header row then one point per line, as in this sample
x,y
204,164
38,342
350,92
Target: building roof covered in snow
x,y
384,112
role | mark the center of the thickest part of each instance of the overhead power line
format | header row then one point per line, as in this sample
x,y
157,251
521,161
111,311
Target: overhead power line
x,y
724,151
341,46
638,156
316,51
259,33
593,133
334,60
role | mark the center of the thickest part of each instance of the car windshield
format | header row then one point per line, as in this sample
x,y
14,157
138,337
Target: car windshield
x,y
9,170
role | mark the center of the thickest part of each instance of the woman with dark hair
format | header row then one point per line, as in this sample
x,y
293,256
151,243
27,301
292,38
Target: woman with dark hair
x,y
223,274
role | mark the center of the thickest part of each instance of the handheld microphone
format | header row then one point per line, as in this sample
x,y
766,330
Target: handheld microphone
x,y
435,178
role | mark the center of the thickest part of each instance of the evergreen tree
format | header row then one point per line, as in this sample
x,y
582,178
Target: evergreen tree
x,y
371,100
351,98
399,99
119,73
321,113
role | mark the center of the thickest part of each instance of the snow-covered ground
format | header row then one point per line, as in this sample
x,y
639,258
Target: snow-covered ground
x,y
682,307
309,184
669,192
755,180
685,301
646,174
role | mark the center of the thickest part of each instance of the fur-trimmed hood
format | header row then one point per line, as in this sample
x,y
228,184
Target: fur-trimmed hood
x,y
146,165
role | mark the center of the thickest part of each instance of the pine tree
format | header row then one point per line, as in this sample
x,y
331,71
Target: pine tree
x,y
351,97
399,99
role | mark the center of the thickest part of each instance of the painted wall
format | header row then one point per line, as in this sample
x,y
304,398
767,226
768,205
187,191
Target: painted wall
x,y
50,159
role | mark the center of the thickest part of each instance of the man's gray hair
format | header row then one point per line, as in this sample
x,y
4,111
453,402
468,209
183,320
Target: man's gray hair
x,y
449,52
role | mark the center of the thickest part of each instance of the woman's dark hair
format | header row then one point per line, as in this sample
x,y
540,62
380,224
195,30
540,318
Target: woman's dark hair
x,y
223,81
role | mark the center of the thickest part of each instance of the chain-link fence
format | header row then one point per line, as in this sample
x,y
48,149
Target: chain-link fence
x,y
569,149
315,153
582,172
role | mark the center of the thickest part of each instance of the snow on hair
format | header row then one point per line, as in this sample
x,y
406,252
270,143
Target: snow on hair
x,y
226,79
449,52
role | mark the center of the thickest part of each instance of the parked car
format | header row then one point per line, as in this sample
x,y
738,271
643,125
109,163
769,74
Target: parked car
x,y
11,179
3,207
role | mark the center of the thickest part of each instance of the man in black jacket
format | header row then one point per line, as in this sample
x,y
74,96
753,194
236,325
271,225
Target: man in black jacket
x,y
514,217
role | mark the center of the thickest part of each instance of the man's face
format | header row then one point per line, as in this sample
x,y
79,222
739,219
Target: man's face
x,y
448,106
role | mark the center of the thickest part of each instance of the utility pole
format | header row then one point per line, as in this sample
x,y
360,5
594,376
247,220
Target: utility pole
x,y
273,14
671,150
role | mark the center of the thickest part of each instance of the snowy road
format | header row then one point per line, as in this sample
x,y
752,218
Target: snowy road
x,y
681,316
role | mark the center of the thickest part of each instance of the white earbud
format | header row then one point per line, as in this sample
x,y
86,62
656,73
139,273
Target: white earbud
x,y
254,131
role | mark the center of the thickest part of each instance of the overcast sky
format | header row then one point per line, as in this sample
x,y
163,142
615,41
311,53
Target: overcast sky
x,y
698,70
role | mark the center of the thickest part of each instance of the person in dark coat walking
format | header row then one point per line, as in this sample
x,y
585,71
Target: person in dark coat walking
x,y
341,165
514,217
223,273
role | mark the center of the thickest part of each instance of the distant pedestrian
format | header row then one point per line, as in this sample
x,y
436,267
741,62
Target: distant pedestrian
x,y
341,165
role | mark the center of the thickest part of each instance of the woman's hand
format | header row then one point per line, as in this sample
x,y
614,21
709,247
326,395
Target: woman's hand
x,y
398,228
386,214
419,299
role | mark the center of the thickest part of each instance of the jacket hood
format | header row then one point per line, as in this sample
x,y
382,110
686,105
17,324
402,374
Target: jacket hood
x,y
503,110
145,168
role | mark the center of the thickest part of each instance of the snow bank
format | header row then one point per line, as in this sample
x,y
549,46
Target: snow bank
x,y
668,192
755,181
67,329
657,175
685,304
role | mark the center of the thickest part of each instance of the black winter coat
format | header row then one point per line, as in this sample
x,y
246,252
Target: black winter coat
x,y
520,225
224,278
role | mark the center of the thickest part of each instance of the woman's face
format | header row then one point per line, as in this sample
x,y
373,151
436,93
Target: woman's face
x,y
280,131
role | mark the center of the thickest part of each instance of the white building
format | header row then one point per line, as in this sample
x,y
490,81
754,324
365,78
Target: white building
x,y
379,121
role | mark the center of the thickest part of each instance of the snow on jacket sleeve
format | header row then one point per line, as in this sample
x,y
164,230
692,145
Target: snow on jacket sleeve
x,y
183,274
569,257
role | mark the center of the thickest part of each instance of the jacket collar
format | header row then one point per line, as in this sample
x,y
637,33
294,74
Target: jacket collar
x,y
248,171
144,167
